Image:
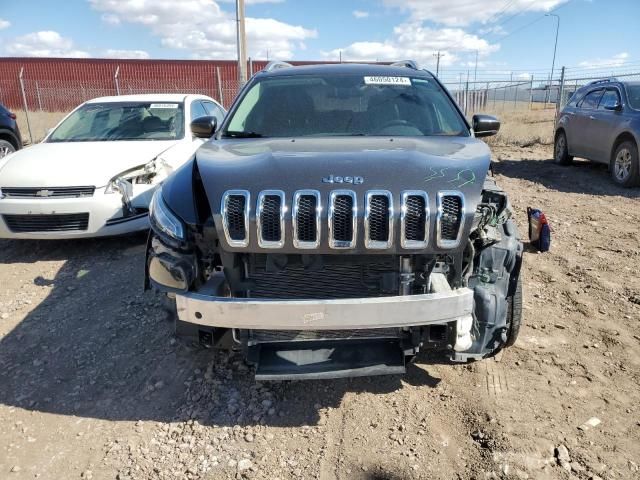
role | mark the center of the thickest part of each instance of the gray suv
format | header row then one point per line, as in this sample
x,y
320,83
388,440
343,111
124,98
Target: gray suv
x,y
601,122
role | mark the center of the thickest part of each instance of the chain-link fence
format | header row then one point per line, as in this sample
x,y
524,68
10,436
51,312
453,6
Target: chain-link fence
x,y
510,95
42,91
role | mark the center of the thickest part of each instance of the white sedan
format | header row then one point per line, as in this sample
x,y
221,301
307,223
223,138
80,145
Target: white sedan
x,y
95,172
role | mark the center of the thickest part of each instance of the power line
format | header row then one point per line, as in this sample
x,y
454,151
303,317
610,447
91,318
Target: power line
x,y
518,12
496,15
535,20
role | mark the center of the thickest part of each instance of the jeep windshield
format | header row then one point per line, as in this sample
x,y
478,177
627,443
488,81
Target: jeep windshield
x,y
116,121
344,105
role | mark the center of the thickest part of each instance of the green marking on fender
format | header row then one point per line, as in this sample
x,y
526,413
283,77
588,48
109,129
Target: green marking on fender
x,y
465,179
435,174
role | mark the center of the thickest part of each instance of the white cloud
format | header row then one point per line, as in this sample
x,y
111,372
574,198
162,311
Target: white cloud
x,y
110,19
417,42
495,30
360,14
466,12
46,43
204,29
4,23
616,61
135,54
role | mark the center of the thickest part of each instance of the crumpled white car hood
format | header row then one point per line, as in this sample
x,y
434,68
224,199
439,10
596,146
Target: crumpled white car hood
x,y
76,163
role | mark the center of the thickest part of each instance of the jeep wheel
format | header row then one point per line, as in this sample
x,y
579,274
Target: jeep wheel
x,y
514,315
6,148
625,165
561,151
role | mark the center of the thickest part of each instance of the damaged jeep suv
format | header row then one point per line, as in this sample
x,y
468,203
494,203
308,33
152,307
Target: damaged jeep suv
x,y
340,220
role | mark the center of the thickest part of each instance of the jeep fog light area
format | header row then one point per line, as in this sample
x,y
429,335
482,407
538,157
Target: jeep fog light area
x,y
340,221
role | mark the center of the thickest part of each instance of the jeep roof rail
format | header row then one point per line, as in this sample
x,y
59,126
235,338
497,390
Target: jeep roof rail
x,y
276,64
604,80
406,63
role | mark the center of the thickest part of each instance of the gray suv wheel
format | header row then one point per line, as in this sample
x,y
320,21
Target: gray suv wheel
x,y
625,166
561,151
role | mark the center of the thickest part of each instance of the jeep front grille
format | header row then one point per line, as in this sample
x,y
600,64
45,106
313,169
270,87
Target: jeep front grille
x,y
343,216
378,219
270,217
306,219
450,217
414,219
343,221
235,217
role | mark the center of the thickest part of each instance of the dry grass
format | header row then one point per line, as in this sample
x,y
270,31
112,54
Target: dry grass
x,y
40,123
525,128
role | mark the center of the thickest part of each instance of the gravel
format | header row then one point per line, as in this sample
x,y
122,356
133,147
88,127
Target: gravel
x,y
95,385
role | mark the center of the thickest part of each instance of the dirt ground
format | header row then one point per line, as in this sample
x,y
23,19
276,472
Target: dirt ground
x,y
94,385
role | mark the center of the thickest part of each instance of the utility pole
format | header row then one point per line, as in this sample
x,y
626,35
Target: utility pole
x,y
438,56
555,48
475,72
242,42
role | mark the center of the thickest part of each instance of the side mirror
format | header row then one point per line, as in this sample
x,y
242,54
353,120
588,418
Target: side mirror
x,y
204,127
616,107
485,125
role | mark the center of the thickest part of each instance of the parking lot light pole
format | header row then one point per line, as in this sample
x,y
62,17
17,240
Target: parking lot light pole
x,y
555,48
242,42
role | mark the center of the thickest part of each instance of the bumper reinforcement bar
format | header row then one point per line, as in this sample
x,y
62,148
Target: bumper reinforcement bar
x,y
340,314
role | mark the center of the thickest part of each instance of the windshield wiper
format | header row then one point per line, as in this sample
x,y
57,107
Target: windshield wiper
x,y
233,134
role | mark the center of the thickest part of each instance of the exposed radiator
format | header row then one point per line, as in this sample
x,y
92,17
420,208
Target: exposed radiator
x,y
331,281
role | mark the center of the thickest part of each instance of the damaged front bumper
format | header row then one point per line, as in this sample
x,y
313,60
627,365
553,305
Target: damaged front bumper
x,y
340,314
316,339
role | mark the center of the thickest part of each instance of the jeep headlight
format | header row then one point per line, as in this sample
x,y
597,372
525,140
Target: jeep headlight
x,y
163,219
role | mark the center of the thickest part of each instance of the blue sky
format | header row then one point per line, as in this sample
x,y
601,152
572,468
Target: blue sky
x,y
510,36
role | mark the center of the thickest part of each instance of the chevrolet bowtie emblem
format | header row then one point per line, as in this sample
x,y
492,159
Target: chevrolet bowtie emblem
x,y
44,193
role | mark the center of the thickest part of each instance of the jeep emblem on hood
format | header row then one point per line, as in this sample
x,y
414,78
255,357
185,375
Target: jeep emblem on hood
x,y
347,179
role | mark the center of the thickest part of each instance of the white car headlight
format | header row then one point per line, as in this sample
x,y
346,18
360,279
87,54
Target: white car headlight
x,y
163,219
150,173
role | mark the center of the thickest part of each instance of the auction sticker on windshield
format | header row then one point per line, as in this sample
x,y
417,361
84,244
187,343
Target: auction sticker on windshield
x,y
403,81
163,105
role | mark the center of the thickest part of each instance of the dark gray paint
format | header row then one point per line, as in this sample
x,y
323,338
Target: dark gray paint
x,y
431,164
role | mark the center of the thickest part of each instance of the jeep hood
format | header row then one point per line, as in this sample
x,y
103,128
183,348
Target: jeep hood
x,y
431,164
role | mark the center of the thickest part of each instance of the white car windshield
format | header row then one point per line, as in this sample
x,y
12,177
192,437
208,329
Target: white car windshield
x,y
116,121
345,105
